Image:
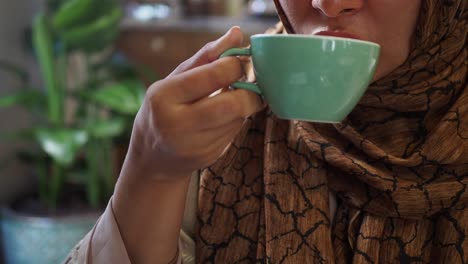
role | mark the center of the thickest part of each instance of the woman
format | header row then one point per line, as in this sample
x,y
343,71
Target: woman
x,y
387,185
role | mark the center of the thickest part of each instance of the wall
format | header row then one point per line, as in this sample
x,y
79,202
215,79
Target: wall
x,y
15,17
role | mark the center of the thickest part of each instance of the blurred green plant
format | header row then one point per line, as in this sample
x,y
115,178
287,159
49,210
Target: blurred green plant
x,y
107,101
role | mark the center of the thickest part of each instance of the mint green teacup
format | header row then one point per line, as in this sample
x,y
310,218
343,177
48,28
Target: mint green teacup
x,y
310,78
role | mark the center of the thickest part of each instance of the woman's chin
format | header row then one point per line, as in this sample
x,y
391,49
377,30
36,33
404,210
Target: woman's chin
x,y
382,71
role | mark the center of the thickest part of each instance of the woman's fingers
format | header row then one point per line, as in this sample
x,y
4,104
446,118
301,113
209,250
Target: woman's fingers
x,y
211,51
219,138
202,146
219,110
216,134
202,81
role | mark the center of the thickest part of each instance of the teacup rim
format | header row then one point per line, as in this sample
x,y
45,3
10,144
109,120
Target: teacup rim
x,y
315,37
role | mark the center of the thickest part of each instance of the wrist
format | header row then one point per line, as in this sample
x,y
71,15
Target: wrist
x,y
153,168
149,213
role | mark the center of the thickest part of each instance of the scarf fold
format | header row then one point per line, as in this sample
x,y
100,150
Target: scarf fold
x,y
398,165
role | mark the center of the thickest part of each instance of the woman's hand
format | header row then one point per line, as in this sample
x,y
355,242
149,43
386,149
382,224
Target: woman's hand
x,y
179,128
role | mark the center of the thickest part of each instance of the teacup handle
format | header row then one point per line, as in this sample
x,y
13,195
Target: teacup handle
x,y
242,85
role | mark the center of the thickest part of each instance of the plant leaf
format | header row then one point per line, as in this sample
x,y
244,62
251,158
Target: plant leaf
x,y
95,35
107,128
43,44
123,97
28,98
62,144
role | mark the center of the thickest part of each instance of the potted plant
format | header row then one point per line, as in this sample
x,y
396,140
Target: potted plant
x,y
76,127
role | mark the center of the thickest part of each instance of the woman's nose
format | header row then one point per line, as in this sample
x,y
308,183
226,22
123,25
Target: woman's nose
x,y
335,8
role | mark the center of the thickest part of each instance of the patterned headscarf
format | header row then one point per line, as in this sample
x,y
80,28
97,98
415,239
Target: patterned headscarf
x,y
398,165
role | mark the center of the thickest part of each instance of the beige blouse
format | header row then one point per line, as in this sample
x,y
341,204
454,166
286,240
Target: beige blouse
x,y
104,244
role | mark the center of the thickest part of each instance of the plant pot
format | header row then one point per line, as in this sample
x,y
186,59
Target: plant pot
x,y
29,239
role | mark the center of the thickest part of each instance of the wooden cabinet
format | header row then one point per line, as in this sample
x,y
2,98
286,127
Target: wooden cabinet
x,y
163,46
162,51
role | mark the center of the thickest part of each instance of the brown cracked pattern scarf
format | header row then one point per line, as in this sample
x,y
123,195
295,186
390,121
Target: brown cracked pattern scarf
x,y
398,166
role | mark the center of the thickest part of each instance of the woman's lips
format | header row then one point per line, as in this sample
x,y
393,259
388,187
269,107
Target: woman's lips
x,y
339,34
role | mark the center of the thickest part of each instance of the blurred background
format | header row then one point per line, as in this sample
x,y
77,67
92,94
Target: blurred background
x,y
73,74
